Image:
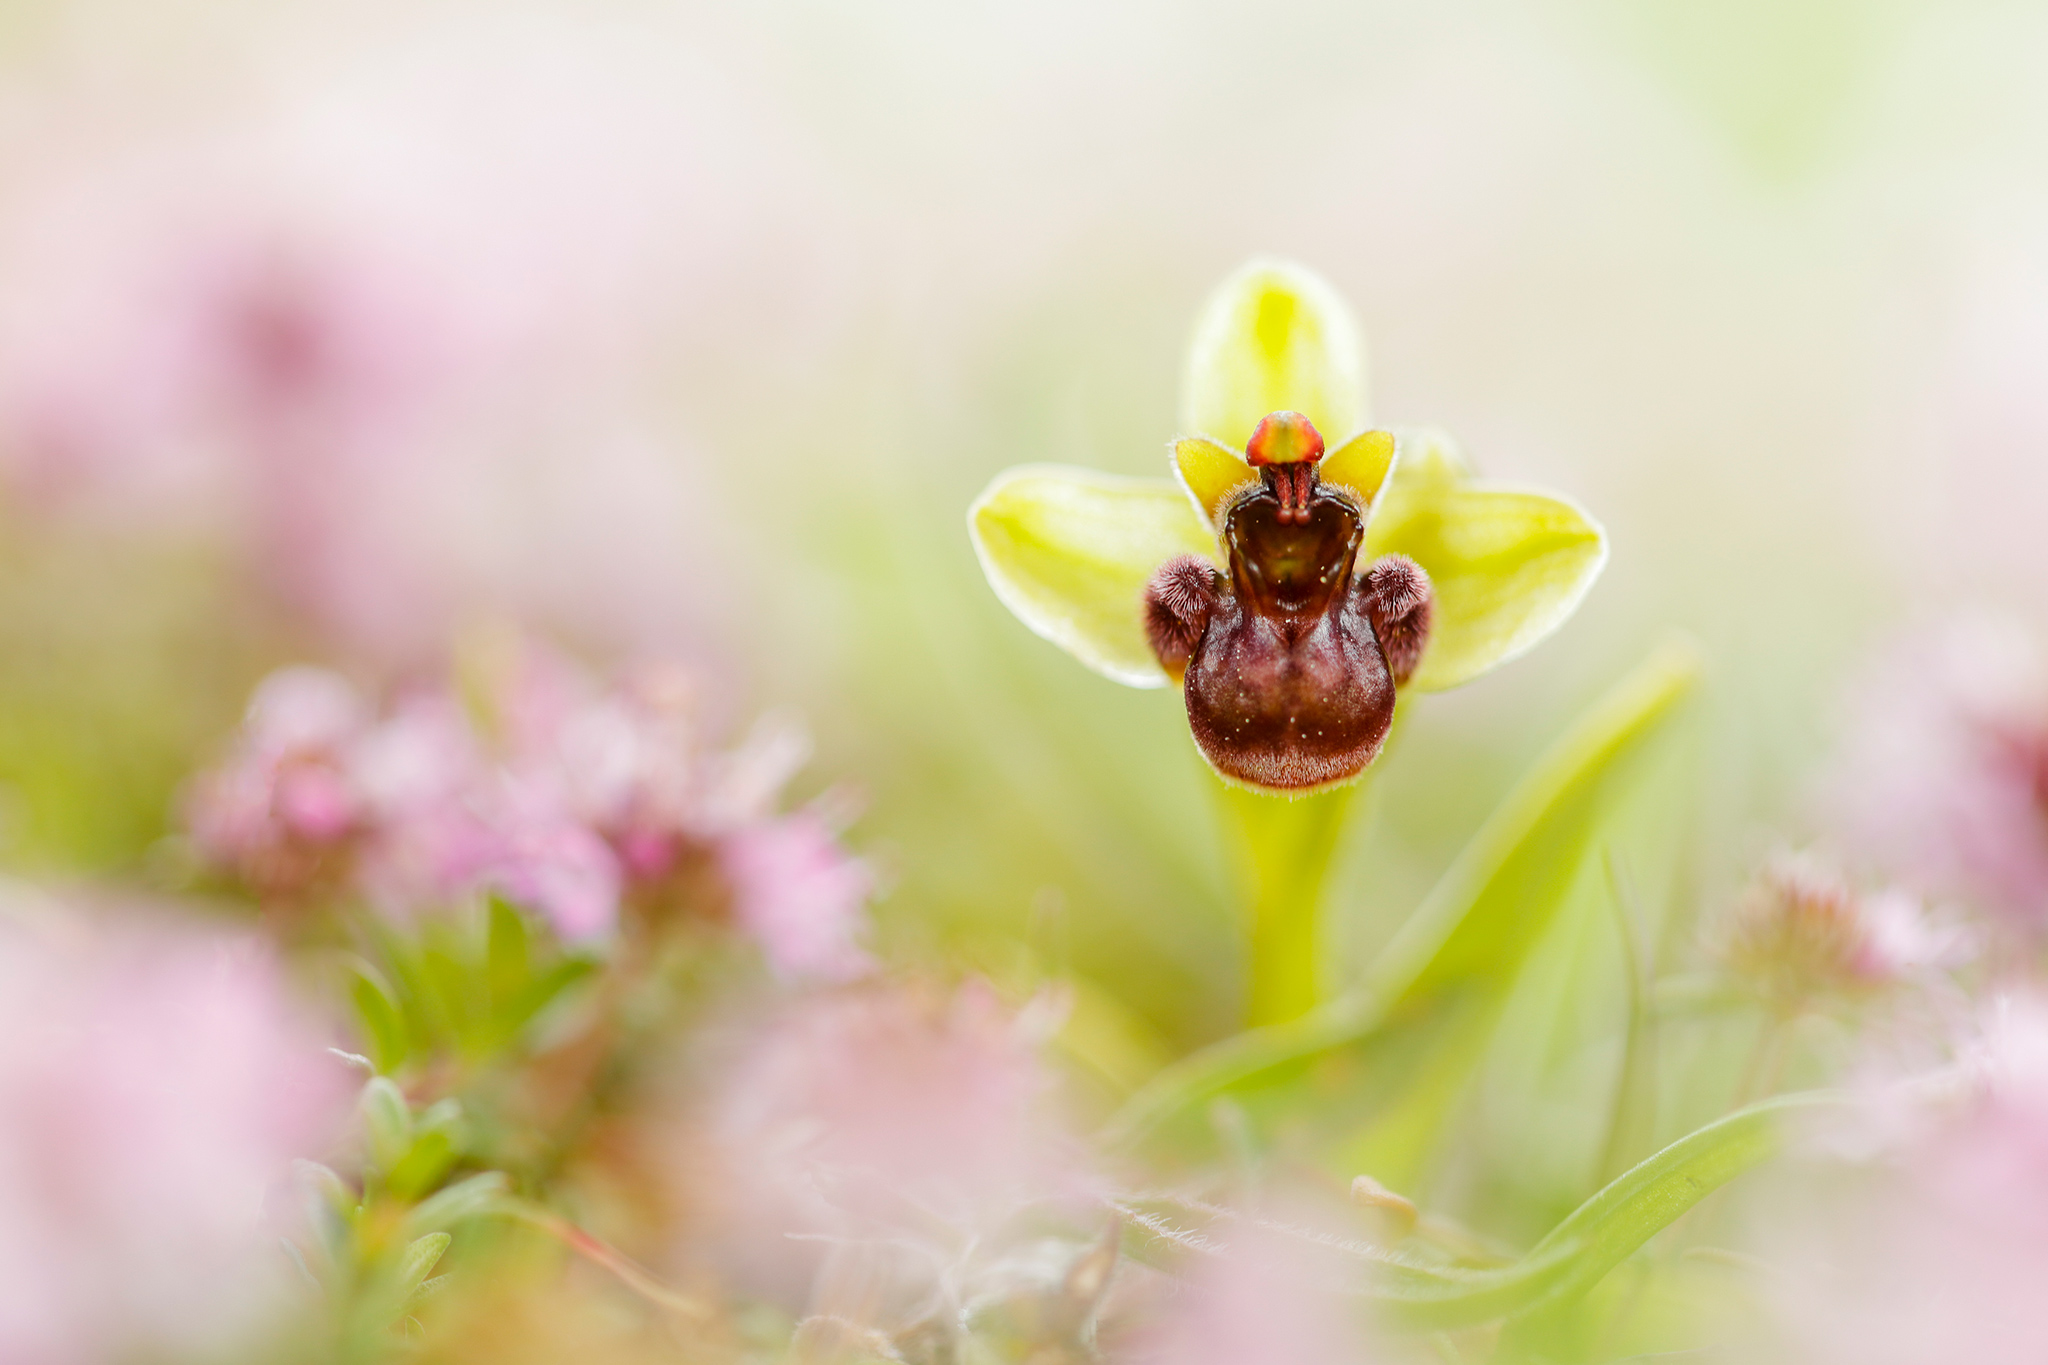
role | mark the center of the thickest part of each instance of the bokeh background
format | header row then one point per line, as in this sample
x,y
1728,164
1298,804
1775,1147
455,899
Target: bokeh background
x,y
341,332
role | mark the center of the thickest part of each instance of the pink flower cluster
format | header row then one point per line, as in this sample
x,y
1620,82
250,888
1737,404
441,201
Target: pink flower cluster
x,y
1262,1295
1801,934
565,796
1941,1254
154,1085
388,328
884,1120
1944,780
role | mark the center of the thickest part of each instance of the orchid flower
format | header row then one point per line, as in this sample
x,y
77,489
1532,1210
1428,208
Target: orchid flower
x,y
1290,588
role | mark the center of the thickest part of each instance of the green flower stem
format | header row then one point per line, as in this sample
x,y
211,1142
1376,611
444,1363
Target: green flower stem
x,y
1282,856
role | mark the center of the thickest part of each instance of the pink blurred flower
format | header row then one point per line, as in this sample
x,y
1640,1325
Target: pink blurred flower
x,y
800,896
417,771
1261,1296
881,1108
1943,779
564,795
1939,1254
1801,934
153,1086
627,760
541,857
613,789
285,801
392,326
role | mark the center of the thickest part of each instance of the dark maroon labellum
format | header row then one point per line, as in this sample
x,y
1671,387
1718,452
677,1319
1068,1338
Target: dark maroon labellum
x,y
1289,666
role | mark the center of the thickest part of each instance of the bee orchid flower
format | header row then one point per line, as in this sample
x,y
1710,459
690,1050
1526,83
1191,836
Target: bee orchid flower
x,y
1292,587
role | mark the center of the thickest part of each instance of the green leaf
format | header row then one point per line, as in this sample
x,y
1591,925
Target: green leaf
x,y
1633,1114
1385,1062
327,1189
444,1116
429,1288
1410,1294
1509,565
427,1024
1274,336
455,982
472,1198
423,1164
508,952
331,1206
418,1260
438,1139
1478,915
1602,1232
1070,551
383,1022
387,1121
542,991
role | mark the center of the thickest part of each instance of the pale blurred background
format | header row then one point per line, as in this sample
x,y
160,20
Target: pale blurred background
x,y
332,332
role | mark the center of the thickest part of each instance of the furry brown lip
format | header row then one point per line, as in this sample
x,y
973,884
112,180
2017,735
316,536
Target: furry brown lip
x,y
1289,664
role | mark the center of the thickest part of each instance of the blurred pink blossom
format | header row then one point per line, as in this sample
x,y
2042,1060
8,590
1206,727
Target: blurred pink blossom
x,y
1802,934
630,759
1943,778
797,893
1940,1252
1260,1296
542,857
393,325
939,1099
879,1117
153,1086
563,794
416,772
286,800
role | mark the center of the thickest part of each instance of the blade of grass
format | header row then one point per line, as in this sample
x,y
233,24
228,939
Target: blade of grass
x,y
1635,1088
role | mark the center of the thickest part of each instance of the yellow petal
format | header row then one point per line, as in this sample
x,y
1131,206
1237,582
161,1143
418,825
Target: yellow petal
x,y
1070,551
1509,564
1273,336
1210,473
1361,465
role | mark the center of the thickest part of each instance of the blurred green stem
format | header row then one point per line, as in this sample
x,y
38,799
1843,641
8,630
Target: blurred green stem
x,y
1282,854
601,1253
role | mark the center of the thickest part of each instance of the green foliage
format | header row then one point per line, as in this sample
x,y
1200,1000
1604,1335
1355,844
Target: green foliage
x,y
1378,1072
371,1248
475,1197
417,1261
386,1122
1374,1081
1603,1231
377,1010
471,987
1411,1293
